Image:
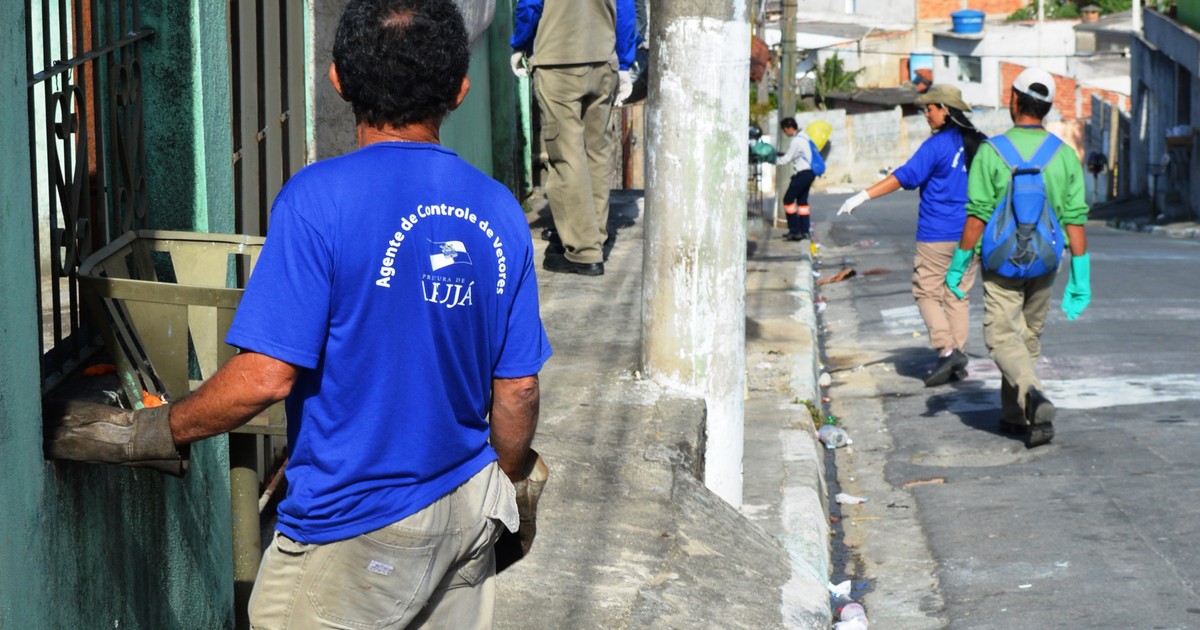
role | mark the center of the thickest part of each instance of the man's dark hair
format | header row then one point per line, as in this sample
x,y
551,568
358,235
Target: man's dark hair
x,y
401,61
788,123
1030,106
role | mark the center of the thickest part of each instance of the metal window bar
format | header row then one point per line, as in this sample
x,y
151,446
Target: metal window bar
x,y
267,56
86,154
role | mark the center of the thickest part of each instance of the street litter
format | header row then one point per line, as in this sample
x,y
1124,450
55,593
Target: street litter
x,y
866,243
853,617
825,380
1025,586
833,436
841,275
924,482
849,499
841,589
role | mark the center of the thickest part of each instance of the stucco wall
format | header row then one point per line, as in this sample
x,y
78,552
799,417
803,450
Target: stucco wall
x,y
468,130
89,546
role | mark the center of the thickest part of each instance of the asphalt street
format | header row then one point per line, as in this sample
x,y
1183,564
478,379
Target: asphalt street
x,y
965,527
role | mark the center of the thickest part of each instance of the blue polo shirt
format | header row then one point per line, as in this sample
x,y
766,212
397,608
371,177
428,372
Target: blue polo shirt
x,y
939,169
401,280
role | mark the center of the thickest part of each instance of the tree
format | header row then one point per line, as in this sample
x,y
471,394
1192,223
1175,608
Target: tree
x,y
833,77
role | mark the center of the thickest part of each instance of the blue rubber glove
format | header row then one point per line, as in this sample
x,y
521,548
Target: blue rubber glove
x,y
1079,287
958,267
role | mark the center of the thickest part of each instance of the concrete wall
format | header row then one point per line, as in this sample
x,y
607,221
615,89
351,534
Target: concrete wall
x,y
88,546
1047,47
1166,84
468,130
864,148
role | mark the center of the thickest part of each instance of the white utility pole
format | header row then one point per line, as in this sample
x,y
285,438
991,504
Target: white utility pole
x,y
694,269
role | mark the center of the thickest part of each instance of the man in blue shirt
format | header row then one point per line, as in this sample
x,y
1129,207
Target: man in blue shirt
x,y
394,306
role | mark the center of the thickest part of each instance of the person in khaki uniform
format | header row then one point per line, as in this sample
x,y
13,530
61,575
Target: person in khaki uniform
x,y
1015,309
579,53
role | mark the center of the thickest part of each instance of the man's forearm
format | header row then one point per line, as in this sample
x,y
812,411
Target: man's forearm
x,y
514,418
243,388
1078,237
971,233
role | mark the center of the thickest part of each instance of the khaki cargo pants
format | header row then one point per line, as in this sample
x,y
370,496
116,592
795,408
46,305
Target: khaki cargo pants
x,y
1014,314
434,569
576,102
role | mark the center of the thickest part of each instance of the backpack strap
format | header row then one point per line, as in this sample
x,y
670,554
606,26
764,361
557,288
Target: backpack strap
x,y
1019,165
1007,151
1045,151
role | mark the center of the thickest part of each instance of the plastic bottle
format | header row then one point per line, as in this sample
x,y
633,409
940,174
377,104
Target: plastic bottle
x,y
833,436
853,617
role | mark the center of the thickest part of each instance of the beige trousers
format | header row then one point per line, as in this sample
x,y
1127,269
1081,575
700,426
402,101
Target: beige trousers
x,y
433,569
1014,314
576,102
946,316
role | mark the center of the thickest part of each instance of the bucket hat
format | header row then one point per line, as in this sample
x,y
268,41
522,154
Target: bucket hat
x,y
944,94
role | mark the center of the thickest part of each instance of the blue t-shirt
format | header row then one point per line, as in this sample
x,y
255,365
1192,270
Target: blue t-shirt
x,y
400,279
939,168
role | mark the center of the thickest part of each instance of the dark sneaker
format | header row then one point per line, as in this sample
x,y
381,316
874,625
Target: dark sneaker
x,y
1039,412
953,365
560,264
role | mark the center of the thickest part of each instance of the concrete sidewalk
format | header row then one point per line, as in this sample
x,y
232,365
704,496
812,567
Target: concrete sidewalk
x,y
628,536
1138,215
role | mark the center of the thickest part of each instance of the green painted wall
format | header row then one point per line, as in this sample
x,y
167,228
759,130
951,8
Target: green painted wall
x,y
1188,12
468,129
21,493
88,546
185,79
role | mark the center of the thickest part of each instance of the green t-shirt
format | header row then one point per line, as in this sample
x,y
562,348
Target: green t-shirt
x,y
989,177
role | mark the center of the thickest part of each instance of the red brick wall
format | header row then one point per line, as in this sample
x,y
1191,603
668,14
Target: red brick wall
x,y
941,9
1066,93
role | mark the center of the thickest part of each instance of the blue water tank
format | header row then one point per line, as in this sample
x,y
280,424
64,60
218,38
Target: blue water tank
x,y
967,21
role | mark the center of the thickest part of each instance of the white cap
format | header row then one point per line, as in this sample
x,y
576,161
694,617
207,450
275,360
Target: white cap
x,y
1028,77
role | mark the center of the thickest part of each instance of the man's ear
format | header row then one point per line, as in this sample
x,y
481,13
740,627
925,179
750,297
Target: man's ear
x,y
462,93
336,81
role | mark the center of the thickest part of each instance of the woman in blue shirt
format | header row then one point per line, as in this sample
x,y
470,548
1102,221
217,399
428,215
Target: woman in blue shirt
x,y
939,169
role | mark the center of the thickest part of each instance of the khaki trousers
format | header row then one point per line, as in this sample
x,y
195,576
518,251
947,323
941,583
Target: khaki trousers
x,y
1014,314
946,316
576,102
433,569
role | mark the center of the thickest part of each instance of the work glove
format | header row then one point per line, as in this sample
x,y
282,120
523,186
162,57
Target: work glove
x,y
958,267
1079,287
624,87
514,546
850,204
519,65
91,432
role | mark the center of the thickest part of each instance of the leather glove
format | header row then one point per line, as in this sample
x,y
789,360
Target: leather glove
x,y
519,66
91,432
853,202
512,547
958,267
624,87
1079,287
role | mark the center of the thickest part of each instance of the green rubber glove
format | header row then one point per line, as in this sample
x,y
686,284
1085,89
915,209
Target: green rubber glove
x,y
1079,287
958,267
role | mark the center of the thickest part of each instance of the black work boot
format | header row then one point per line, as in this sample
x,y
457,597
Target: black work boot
x,y
1039,412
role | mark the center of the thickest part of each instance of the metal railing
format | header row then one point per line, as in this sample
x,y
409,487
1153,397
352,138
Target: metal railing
x,y
86,153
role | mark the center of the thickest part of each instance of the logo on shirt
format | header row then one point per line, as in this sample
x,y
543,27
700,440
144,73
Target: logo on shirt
x,y
449,253
442,285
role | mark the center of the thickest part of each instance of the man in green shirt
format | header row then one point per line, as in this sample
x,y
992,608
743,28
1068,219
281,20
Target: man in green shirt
x,y
1015,308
